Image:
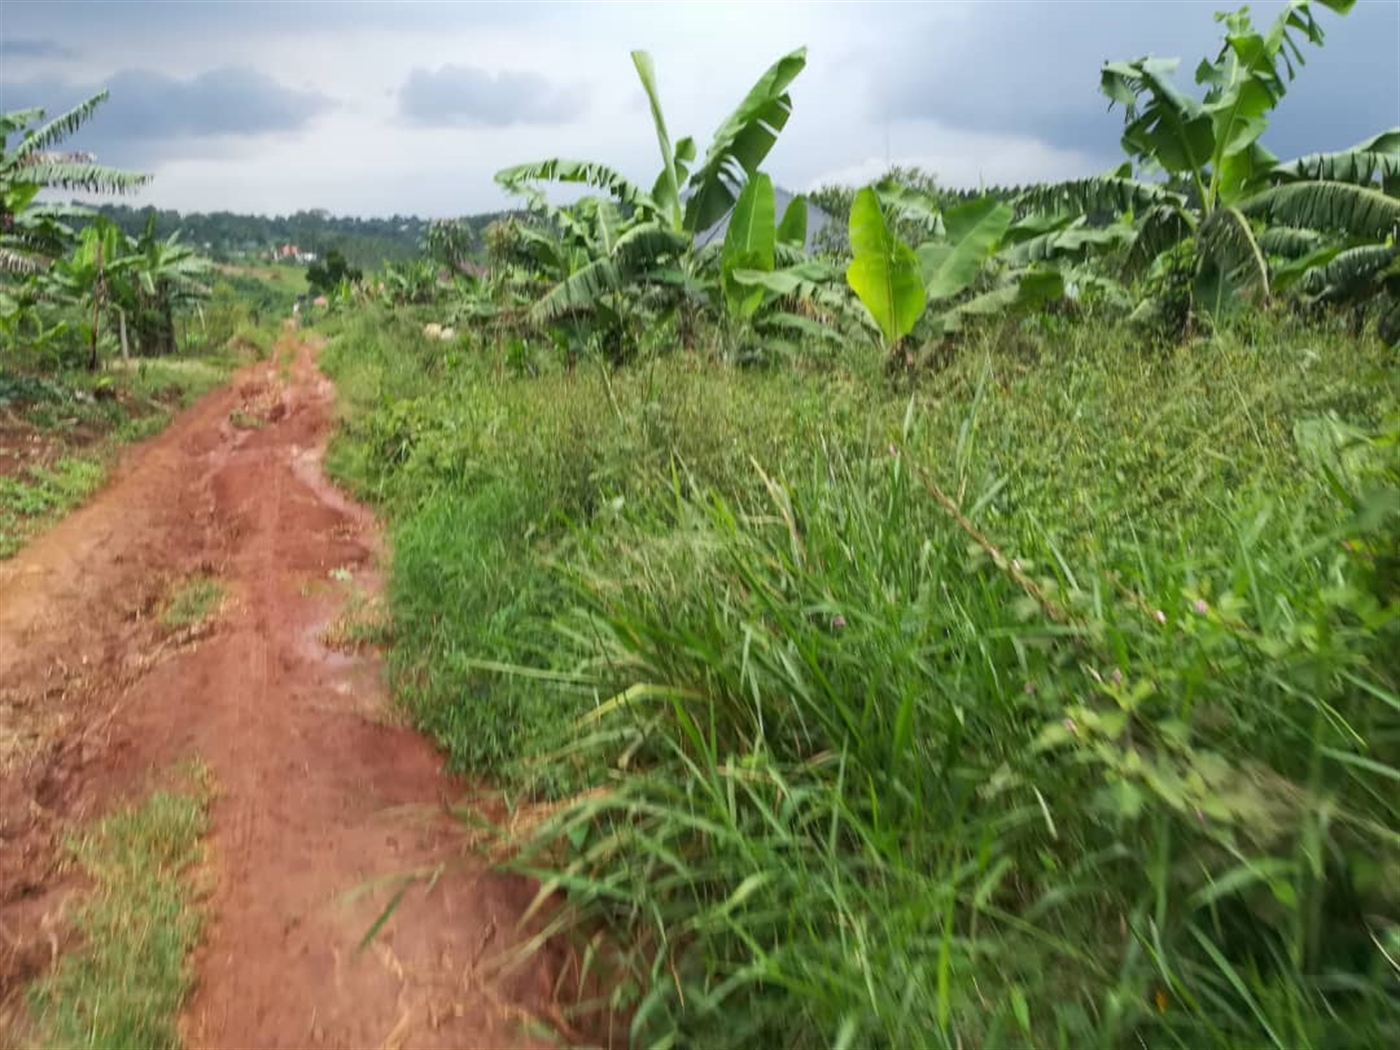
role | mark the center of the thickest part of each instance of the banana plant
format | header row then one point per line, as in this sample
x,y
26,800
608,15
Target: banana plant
x,y
788,305
756,241
34,232
1208,149
962,270
86,276
163,275
22,322
884,271
955,275
656,229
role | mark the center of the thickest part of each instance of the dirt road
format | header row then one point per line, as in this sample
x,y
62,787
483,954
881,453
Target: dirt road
x,y
319,791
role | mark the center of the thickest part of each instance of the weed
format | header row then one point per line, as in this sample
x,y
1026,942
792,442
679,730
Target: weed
x,y
1039,704
193,602
125,984
43,494
363,623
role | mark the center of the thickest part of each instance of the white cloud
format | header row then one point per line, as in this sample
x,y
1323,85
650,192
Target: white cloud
x,y
968,159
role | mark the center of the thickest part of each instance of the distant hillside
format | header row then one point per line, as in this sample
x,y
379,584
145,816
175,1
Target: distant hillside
x,y
367,244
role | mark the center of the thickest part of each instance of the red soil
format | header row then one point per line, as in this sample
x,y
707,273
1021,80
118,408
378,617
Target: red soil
x,y
319,791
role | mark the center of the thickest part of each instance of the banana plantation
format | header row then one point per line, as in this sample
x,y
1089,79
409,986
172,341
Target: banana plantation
x,y
128,285
1199,224
894,615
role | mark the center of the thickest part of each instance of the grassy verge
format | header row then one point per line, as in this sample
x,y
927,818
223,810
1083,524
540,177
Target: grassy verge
x,y
1050,702
60,434
124,985
42,495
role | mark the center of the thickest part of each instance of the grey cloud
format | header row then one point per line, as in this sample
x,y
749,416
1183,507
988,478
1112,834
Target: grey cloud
x,y
141,19
457,96
34,48
150,115
1031,68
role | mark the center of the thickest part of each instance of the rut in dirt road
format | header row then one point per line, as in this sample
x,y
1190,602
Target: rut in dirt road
x,y
319,792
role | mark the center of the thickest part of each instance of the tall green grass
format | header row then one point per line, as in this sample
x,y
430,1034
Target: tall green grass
x,y
1053,703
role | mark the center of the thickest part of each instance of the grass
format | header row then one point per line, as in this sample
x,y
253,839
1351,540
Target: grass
x,y
194,601
364,623
125,983
1049,701
63,432
41,495
258,338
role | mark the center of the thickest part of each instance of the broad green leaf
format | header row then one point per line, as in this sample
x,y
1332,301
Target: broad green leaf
x,y
1168,127
1247,80
741,143
884,271
900,202
1232,263
748,244
793,229
56,130
1338,207
600,176
1075,241
1020,294
1039,224
974,231
1378,158
1349,274
1289,242
1243,171
1115,194
668,188
804,279
635,257
1159,230
804,328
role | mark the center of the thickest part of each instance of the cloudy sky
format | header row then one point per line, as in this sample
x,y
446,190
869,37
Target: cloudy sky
x,y
381,108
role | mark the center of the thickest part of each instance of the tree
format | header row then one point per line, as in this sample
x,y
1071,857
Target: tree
x,y
325,277
34,232
162,275
87,275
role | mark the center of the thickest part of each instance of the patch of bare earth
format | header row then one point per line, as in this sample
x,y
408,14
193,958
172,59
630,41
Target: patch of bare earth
x,y
322,799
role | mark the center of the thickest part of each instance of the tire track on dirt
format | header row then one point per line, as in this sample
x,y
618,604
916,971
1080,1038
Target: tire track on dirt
x,y
320,792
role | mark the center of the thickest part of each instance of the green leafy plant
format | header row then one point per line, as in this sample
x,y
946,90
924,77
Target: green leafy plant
x,y
645,238
1323,224
884,271
33,232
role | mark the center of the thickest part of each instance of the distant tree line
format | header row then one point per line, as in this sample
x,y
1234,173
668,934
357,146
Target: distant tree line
x,y
364,244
